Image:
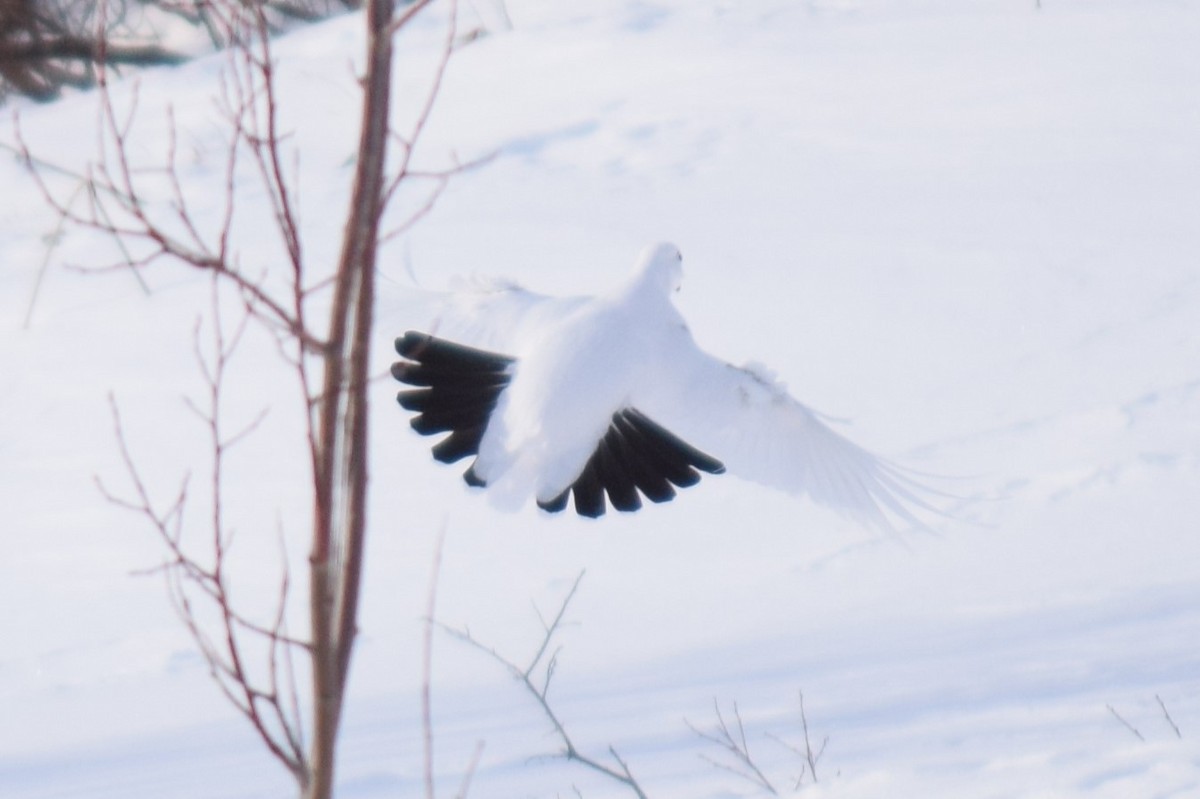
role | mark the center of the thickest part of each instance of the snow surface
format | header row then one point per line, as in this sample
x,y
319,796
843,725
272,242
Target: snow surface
x,y
969,227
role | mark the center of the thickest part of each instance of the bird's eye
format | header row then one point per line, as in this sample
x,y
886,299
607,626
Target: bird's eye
x,y
678,255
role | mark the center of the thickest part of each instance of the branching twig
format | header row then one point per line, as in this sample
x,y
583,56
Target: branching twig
x,y
116,206
151,214
526,674
734,743
404,173
811,758
270,708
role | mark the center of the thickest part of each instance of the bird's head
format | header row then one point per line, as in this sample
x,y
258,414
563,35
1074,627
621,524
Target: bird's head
x,y
661,266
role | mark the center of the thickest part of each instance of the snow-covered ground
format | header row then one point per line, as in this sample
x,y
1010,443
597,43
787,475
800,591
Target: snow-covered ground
x,y
971,228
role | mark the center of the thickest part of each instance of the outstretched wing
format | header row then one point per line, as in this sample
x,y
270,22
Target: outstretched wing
x,y
498,315
745,417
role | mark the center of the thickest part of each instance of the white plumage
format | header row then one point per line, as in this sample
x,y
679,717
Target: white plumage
x,y
611,395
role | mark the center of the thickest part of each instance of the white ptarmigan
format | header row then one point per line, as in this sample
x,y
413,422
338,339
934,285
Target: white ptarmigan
x,y
610,395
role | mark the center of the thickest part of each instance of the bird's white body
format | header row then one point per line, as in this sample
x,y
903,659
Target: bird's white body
x,y
574,375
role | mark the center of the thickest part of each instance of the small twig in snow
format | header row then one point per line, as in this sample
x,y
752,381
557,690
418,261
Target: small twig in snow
x,y
736,746
427,664
525,675
1127,725
1167,716
811,758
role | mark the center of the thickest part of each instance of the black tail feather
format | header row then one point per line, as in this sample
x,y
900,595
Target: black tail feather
x,y
457,390
635,454
649,480
614,473
557,504
589,494
426,349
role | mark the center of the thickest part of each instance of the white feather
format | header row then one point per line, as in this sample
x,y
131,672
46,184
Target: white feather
x,y
580,359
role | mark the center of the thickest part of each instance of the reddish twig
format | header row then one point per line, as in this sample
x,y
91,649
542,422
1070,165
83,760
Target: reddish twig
x,y
263,706
150,215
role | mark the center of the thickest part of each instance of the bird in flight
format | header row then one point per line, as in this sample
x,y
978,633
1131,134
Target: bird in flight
x,y
583,398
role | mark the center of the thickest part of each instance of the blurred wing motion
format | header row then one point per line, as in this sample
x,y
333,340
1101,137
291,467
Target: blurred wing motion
x,y
748,419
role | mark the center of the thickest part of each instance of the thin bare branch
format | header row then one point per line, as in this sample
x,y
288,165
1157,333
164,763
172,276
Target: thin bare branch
x,y
427,664
469,774
404,173
225,660
113,185
1125,723
809,756
1163,707
621,773
406,16
733,742
150,214
552,627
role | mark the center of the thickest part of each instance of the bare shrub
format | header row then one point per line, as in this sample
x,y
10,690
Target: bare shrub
x,y
321,321
536,676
